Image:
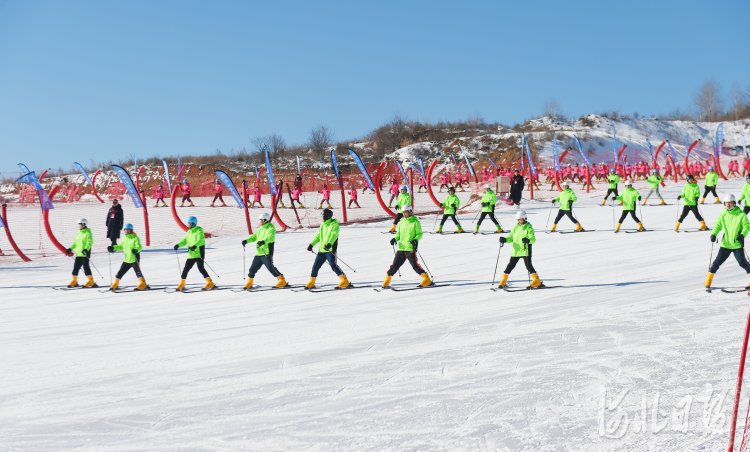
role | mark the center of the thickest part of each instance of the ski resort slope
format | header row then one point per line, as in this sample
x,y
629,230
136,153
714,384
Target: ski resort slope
x,y
629,353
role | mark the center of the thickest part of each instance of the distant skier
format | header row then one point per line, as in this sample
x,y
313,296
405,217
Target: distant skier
x,y
82,245
629,197
327,239
522,237
353,197
265,237
160,196
736,227
613,180
131,246
218,189
394,193
407,237
488,208
298,182
195,240
115,220
404,199
746,195
326,197
516,188
710,185
422,184
654,179
295,196
186,194
566,198
690,192
256,196
444,181
450,207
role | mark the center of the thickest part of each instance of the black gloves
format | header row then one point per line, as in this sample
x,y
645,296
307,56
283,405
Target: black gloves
x,y
176,247
485,204
503,240
261,242
639,198
741,239
525,240
111,249
86,253
327,247
455,207
136,252
713,238
393,241
442,205
679,197
309,247
68,251
244,242
192,248
414,244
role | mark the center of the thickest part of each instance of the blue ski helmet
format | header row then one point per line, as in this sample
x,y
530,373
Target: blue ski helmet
x,y
710,168
654,171
192,221
612,170
128,226
184,181
217,181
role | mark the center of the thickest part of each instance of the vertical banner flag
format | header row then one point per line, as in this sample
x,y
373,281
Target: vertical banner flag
x,y
30,178
454,161
271,181
744,148
166,175
85,174
614,136
651,151
299,170
128,183
256,168
713,147
493,163
523,143
335,167
671,150
555,158
421,166
419,171
362,168
135,164
719,139
687,144
324,167
24,168
531,161
2,224
403,173
580,149
466,157
227,181
179,165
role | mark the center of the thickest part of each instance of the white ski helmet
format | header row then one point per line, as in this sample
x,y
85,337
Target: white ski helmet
x,y
406,207
628,182
521,215
265,216
565,184
85,222
488,187
729,198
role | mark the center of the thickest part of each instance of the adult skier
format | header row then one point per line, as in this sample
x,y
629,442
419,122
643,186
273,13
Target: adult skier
x,y
264,237
115,220
654,179
690,192
566,198
131,246
195,240
160,196
186,194
404,199
450,207
629,197
82,245
710,186
613,180
488,208
218,189
745,195
327,239
407,237
516,188
522,237
736,227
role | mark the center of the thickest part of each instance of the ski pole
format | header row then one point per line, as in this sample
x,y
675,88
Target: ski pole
x,y
527,263
613,211
179,267
677,214
549,214
496,263
111,281
244,253
394,253
425,266
436,219
209,267
711,257
337,258
97,270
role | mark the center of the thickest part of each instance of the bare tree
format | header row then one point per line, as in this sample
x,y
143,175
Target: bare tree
x,y
276,145
321,138
737,100
553,109
708,101
393,134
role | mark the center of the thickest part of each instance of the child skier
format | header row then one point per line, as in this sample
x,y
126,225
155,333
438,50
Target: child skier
x,y
745,195
195,240
736,227
444,181
408,236
186,194
691,192
488,209
264,237
710,187
131,246
394,193
450,207
522,237
82,245
326,197
353,197
654,179
218,194
160,196
328,239
295,196
567,197
629,197
422,184
256,196
404,199
613,179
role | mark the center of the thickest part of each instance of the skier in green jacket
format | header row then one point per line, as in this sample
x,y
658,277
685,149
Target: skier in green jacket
x,y
82,246
745,195
488,208
407,237
655,179
404,199
629,197
613,180
566,198
522,237
264,239
450,207
131,246
328,240
691,192
195,240
736,227
711,180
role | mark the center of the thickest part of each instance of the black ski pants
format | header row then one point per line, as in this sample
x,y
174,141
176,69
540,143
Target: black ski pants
x,y
403,256
746,209
610,191
259,261
452,216
81,261
625,214
127,266
320,259
724,253
526,260
189,265
688,209
398,218
487,214
708,190
561,213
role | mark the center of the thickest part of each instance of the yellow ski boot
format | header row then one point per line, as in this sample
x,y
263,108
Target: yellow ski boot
x,y
677,226
387,281
554,226
503,281
209,284
344,282
709,279
617,229
703,226
90,282
702,199
717,201
425,280
74,282
640,227
141,284
249,283
579,228
181,285
393,228
535,281
310,283
662,203
115,285
282,282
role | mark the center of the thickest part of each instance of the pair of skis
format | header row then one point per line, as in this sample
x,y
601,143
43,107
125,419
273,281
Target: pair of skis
x,y
131,289
95,286
404,289
729,290
318,289
510,289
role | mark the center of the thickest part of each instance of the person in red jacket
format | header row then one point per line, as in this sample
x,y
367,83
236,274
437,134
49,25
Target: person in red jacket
x,y
186,194
218,194
422,184
326,197
256,196
353,197
295,196
160,196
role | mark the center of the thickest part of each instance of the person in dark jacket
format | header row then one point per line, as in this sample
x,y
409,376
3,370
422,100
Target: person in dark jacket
x,y
115,220
516,188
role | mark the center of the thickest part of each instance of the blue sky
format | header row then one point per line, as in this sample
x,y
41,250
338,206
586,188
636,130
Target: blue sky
x,y
83,80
